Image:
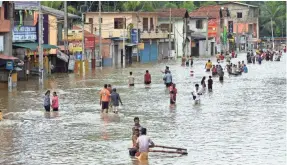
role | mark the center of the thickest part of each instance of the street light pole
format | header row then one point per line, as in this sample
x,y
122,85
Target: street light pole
x,y
138,37
100,33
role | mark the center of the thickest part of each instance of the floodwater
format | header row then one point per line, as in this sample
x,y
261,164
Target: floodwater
x,y
242,122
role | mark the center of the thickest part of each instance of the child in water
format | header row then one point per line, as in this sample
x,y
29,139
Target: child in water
x,y
173,92
47,103
55,102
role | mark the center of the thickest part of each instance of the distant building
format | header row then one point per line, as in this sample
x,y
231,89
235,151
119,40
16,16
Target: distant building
x,y
175,17
243,25
119,26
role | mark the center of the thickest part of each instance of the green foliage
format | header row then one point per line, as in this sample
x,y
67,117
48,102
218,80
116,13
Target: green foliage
x,y
170,5
59,6
188,5
131,5
275,11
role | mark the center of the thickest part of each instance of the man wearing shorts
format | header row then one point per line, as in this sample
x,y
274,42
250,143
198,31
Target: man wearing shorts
x,y
105,98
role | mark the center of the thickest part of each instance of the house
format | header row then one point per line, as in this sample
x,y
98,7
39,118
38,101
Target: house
x,y
122,26
205,23
8,63
91,46
242,25
174,18
26,35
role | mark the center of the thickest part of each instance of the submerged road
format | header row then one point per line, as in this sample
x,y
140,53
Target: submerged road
x,y
242,122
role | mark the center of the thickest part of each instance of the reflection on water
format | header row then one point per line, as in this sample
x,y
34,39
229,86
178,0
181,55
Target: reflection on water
x,y
242,121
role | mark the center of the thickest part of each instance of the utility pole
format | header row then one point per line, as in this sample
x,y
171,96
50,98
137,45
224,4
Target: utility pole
x,y
66,31
83,35
100,33
124,45
169,37
138,37
40,42
206,37
272,33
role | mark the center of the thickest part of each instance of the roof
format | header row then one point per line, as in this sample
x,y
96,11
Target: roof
x,y
198,36
211,11
239,3
173,12
58,13
88,34
122,12
34,46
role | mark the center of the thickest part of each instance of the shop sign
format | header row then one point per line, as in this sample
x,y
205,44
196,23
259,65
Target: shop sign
x,y
212,28
9,65
62,56
90,42
134,34
24,33
141,46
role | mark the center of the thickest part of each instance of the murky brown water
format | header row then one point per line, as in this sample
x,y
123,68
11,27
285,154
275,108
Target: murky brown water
x,y
242,122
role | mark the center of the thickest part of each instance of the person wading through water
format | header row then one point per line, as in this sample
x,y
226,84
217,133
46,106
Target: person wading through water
x,y
131,79
209,83
208,66
105,98
143,144
47,101
115,100
147,78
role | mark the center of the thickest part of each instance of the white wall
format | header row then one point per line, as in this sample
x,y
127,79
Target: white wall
x,y
192,26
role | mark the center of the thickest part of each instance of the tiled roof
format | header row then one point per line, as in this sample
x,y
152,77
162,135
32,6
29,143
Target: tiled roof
x,y
211,11
174,12
239,3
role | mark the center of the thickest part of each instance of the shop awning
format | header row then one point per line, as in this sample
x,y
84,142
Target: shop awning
x,y
5,57
34,46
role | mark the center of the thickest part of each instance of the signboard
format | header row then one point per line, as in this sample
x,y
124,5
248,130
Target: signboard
x,y
71,65
1,43
24,33
212,28
9,65
62,56
134,33
26,5
90,42
141,46
75,46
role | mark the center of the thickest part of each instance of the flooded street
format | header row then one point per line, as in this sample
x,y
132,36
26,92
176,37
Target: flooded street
x,y
242,122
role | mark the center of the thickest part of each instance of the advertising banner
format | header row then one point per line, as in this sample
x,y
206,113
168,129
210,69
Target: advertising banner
x,y
24,33
90,42
212,28
134,33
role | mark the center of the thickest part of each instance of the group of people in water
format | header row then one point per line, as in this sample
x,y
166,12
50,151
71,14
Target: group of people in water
x,y
48,101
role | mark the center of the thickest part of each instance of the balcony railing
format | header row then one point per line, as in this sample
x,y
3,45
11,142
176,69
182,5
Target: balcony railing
x,y
5,26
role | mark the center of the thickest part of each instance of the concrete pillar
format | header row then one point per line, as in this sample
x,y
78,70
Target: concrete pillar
x,y
8,36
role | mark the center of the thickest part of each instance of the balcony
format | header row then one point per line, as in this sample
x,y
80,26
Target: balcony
x,y
5,26
158,34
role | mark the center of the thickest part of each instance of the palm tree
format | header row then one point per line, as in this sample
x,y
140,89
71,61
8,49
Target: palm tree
x,y
273,13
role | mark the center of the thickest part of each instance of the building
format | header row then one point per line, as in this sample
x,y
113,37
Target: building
x,y
26,36
9,65
205,23
174,18
122,26
242,25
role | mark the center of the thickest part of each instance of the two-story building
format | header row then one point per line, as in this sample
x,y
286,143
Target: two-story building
x,y
26,35
122,26
204,23
174,18
242,25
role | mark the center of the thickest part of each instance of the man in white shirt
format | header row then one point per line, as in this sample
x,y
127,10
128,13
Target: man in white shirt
x,y
131,79
196,94
143,144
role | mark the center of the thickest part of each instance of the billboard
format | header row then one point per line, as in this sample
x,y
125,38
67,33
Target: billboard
x,y
90,42
134,38
212,28
24,33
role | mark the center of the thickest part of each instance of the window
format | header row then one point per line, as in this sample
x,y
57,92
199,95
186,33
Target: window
x,y
91,20
151,24
119,23
165,27
145,24
239,15
230,26
199,24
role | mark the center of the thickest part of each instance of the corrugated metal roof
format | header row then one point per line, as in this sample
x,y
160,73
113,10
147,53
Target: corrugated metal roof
x,y
58,13
239,3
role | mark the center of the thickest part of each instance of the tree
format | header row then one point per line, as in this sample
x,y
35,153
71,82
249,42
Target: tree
x,y
188,5
275,11
131,5
59,6
170,5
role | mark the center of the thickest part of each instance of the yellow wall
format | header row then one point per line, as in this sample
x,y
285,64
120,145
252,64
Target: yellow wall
x,y
108,22
53,32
